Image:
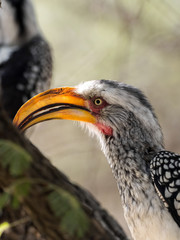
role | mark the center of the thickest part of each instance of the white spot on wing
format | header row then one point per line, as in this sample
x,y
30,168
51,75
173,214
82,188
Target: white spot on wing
x,y
167,193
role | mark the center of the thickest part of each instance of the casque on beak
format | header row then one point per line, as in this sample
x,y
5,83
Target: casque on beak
x,y
58,103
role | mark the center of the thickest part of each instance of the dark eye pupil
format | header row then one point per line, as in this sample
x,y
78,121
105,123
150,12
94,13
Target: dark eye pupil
x,y
97,101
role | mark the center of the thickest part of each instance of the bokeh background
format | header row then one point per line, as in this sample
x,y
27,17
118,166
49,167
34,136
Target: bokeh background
x,y
133,41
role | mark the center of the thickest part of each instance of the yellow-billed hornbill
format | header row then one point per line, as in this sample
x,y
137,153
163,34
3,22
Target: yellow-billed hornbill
x,y
148,177
25,56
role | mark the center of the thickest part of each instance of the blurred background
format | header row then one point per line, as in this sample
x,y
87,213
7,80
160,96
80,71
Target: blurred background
x,y
137,42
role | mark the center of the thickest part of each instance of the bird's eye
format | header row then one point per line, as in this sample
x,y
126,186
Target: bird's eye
x,y
96,104
98,101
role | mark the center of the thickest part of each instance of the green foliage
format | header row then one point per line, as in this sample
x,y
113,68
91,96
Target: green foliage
x,y
15,202
65,206
22,188
17,161
14,157
19,189
4,199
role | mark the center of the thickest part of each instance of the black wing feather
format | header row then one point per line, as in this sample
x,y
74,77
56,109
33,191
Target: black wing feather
x,y
165,172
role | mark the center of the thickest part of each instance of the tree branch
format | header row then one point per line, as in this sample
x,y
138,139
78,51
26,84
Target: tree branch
x,y
45,179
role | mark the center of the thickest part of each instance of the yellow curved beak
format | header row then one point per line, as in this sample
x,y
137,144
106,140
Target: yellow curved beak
x,y
58,103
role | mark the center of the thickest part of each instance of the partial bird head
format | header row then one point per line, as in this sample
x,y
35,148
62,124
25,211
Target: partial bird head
x,y
109,109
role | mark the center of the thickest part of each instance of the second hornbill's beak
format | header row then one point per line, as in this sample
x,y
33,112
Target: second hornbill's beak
x,y
58,103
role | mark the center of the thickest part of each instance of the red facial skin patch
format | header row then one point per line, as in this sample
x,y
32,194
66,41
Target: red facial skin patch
x,y
106,130
96,110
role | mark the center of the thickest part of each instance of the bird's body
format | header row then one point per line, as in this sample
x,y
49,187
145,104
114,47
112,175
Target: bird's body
x,y
146,215
131,139
25,56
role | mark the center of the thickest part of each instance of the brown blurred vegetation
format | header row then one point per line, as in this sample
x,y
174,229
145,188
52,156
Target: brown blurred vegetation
x,y
133,41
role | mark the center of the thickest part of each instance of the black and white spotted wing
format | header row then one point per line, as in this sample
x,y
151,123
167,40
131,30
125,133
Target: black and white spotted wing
x,y
165,172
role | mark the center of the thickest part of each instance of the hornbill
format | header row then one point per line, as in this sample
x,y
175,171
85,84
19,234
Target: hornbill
x,y
25,55
147,176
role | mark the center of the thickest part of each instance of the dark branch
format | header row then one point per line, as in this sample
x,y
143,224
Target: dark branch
x,y
43,224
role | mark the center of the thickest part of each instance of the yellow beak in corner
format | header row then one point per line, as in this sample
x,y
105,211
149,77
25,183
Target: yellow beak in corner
x,y
58,103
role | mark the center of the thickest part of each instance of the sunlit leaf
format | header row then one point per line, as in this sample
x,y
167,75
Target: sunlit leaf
x,y
14,157
4,226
